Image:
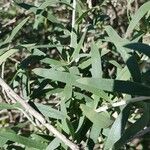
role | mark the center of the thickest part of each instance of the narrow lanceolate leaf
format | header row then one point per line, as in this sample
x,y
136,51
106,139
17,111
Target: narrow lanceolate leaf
x,y
35,10
3,141
118,42
96,91
137,17
139,125
7,54
123,74
95,132
20,139
111,85
48,3
101,120
125,53
54,144
96,61
53,62
117,128
67,92
114,35
47,111
16,30
115,63
68,78
140,47
83,15
134,68
8,106
79,46
64,77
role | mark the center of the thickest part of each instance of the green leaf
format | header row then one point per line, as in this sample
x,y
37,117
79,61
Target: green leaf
x,y
94,90
123,74
48,3
83,15
53,62
111,85
137,17
115,63
8,106
38,52
134,68
95,133
53,2
49,16
67,3
101,120
39,137
70,78
117,128
79,46
16,30
33,46
47,111
96,69
140,47
85,63
64,125
3,141
37,11
118,42
20,139
67,92
126,53
136,127
64,77
113,35
81,96
54,144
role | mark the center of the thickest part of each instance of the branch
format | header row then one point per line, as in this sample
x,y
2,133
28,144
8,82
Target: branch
x,y
13,96
73,22
143,132
74,13
140,134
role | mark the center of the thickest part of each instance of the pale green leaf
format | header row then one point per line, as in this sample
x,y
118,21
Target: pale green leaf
x,y
96,69
48,111
20,139
137,17
101,120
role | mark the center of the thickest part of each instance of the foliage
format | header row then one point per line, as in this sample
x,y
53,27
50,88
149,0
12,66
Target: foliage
x,y
68,67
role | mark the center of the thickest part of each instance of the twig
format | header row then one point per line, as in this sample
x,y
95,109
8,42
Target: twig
x,y
2,76
27,116
5,6
136,5
141,133
73,21
37,115
4,118
12,21
74,13
122,102
89,2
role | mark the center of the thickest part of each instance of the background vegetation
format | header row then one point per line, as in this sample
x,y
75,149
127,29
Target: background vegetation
x,y
83,65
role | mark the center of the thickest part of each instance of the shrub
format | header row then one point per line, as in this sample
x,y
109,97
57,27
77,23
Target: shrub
x,y
78,70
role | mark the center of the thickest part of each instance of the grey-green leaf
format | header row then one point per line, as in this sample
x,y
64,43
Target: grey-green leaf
x,y
47,111
20,139
101,120
137,17
111,85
